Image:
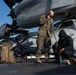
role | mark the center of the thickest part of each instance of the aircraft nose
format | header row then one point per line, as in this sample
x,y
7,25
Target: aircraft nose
x,y
71,34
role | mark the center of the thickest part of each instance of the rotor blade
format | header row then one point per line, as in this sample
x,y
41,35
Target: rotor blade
x,y
10,3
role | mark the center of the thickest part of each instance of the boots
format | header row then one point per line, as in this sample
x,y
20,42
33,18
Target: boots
x,y
47,60
38,60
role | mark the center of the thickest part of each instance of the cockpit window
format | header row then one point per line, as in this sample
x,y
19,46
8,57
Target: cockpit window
x,y
67,24
56,25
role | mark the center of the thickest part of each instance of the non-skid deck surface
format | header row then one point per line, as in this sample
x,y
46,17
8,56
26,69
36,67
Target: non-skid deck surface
x,y
31,68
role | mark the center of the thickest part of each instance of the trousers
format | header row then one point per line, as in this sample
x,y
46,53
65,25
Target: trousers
x,y
43,41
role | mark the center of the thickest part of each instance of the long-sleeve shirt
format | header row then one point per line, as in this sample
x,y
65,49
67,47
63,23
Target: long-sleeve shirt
x,y
46,26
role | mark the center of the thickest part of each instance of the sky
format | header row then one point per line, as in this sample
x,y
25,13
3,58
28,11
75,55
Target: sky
x,y
4,11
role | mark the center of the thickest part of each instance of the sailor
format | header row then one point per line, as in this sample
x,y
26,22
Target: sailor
x,y
64,46
45,31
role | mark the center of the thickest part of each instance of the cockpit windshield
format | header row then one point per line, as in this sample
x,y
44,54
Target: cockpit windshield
x,y
66,24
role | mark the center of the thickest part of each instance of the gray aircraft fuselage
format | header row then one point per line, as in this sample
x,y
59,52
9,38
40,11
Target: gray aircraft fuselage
x,y
28,11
